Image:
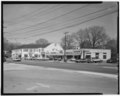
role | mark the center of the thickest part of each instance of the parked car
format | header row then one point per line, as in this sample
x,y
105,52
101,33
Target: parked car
x,y
81,61
96,60
16,59
51,58
59,59
33,58
112,61
73,59
89,60
45,59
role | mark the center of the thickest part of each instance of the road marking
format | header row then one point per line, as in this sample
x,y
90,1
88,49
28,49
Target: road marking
x,y
86,72
67,70
99,74
37,86
110,67
32,88
43,85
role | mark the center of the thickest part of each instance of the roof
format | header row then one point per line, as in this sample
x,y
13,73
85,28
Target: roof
x,y
93,49
32,46
71,50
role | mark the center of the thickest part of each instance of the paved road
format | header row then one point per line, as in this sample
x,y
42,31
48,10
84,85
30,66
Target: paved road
x,y
21,78
93,67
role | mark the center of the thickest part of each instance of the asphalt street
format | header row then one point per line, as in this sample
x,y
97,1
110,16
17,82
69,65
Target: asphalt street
x,y
92,67
22,78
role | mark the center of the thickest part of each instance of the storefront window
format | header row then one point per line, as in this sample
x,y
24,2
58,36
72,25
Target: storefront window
x,y
36,55
25,55
43,55
88,56
19,56
97,55
104,56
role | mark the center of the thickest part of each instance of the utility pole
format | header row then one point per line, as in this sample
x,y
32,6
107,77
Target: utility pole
x,y
65,47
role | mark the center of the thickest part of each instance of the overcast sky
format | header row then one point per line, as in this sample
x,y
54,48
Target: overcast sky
x,y
25,23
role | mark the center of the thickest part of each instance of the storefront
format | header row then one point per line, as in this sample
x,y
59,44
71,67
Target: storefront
x,y
73,54
54,55
102,54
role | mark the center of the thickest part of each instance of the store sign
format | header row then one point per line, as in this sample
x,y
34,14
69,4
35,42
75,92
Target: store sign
x,y
77,52
55,53
69,53
74,52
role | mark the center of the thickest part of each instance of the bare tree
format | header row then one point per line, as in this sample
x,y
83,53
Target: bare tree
x,y
80,37
8,46
69,42
92,37
96,36
112,44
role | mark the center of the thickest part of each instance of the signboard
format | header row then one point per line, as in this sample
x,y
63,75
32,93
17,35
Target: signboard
x,y
69,53
54,53
77,52
74,52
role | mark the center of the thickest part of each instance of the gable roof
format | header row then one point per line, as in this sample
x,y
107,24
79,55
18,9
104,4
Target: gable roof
x,y
32,46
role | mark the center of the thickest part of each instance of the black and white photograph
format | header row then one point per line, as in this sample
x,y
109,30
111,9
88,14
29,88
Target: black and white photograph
x,y
60,47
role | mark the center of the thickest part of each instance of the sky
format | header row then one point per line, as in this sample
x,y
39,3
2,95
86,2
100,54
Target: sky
x,y
26,23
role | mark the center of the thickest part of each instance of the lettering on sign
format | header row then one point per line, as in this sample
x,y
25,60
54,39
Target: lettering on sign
x,y
73,53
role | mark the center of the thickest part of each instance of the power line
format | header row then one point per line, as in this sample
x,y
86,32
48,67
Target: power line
x,y
35,15
52,18
42,14
15,39
74,18
25,15
71,25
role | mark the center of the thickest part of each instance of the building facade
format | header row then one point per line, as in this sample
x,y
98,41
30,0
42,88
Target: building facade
x,y
29,53
102,54
51,50
55,50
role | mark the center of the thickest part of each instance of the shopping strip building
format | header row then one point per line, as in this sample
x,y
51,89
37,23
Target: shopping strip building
x,y
54,50
102,54
38,52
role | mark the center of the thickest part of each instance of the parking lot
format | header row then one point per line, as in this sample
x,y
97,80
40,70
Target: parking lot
x,y
109,68
26,78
